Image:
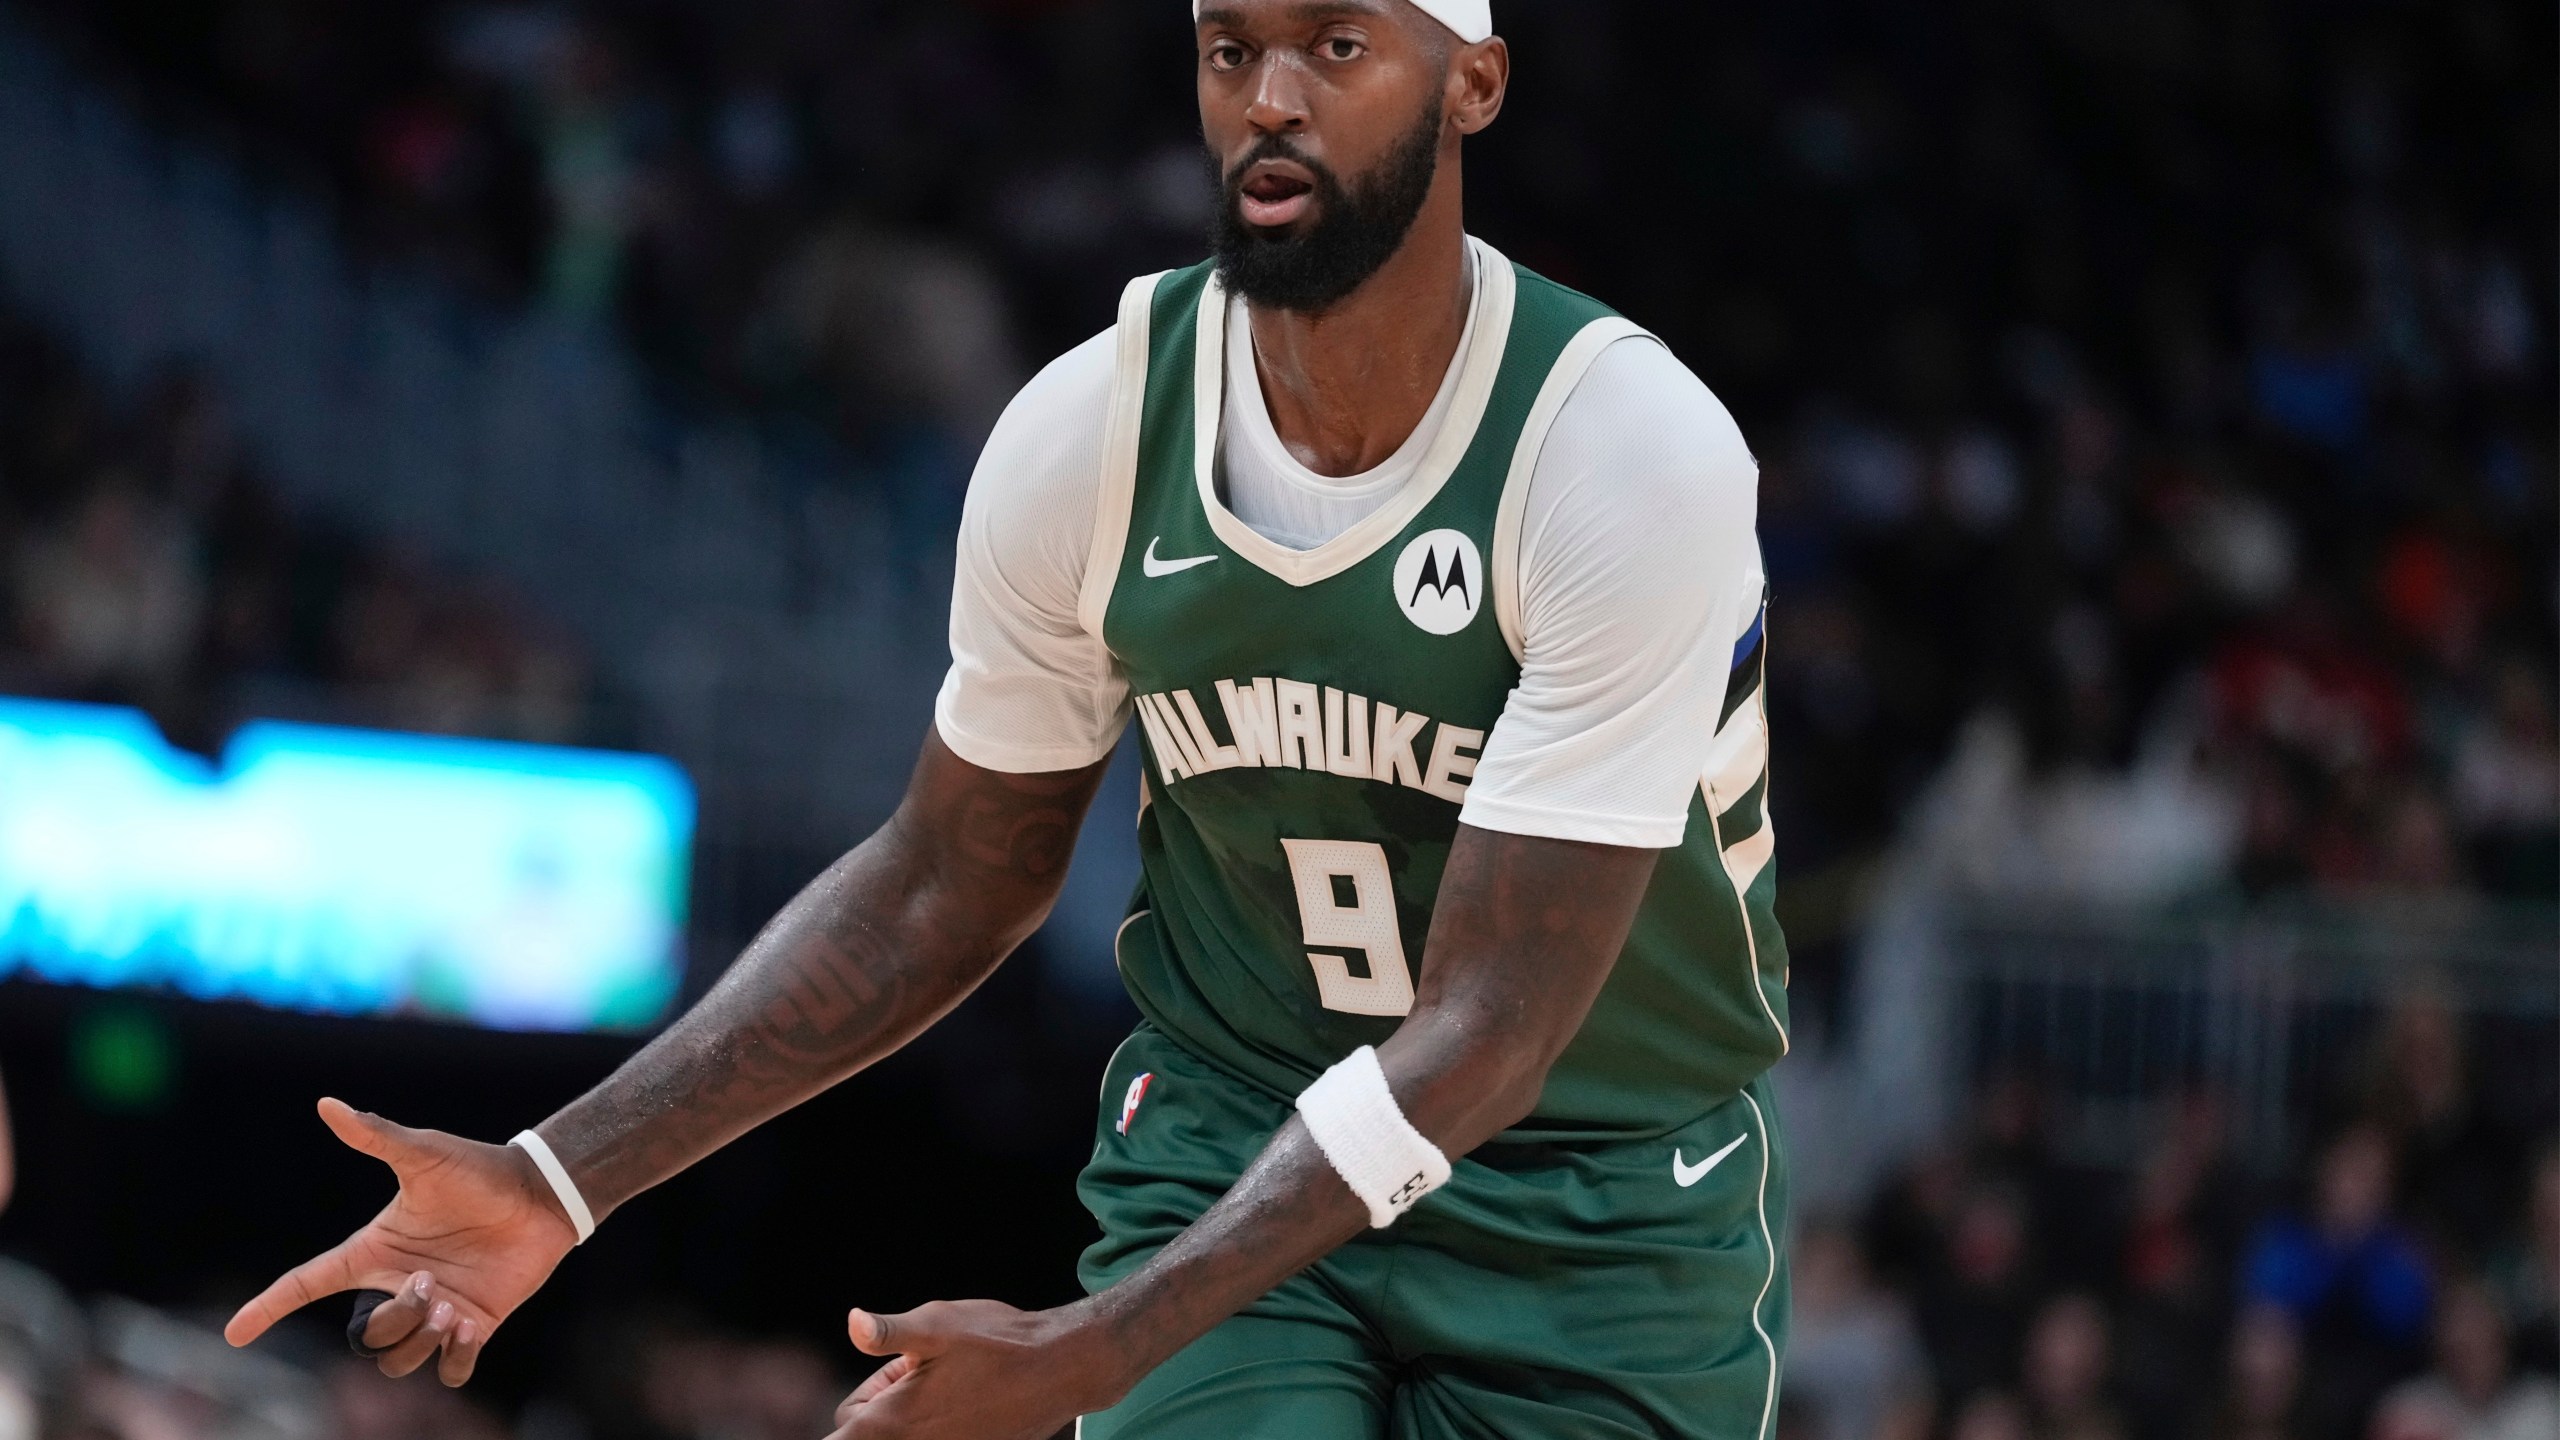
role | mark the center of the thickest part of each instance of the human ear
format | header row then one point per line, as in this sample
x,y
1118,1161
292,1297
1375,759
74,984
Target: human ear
x,y
1479,77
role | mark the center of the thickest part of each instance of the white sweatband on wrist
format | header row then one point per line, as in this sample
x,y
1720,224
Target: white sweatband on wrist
x,y
581,1218
1358,1125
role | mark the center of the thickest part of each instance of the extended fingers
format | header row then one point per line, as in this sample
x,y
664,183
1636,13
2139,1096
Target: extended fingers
x,y
322,1275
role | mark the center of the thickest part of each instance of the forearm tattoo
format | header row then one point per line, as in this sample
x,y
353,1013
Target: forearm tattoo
x,y
881,945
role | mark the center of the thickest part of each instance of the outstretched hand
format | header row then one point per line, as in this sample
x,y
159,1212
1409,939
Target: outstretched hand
x,y
472,1234
979,1370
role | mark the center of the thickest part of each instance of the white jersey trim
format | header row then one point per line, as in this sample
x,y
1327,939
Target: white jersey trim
x,y
1497,292
1571,365
1745,859
1119,488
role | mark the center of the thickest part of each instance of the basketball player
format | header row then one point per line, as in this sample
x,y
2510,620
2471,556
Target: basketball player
x,y
1433,590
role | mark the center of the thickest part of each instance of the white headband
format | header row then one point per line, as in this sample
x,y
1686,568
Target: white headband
x,y
1472,19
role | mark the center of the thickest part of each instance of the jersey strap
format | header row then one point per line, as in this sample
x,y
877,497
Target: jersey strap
x,y
1580,354
1119,480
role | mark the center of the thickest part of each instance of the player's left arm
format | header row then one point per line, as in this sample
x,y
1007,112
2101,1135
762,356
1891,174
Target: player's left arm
x,y
1522,938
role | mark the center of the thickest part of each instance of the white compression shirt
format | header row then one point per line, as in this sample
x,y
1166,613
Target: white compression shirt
x,y
1639,570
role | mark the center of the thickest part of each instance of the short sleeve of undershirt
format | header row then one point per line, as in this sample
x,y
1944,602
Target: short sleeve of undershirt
x,y
1030,690
1639,570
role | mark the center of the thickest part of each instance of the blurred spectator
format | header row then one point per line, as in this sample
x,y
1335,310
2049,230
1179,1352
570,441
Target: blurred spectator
x,y
2347,1272
2181,1237
2458,1176
1974,1303
698,1386
109,593
2526,1270
148,565
364,1406
1991,1415
2474,1392
910,329
1852,1354
2185,1198
2262,1394
19,1415
2506,780
2067,1372
587,172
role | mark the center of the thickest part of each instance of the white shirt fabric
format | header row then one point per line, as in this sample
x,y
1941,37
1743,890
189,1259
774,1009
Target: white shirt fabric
x,y
1639,570
1284,501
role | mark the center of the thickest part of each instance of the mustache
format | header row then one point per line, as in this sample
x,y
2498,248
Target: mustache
x,y
1278,147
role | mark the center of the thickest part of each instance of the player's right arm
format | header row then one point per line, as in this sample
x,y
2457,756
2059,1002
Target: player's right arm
x,y
872,952
878,947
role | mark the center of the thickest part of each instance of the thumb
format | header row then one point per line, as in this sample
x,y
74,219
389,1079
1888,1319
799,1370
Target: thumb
x,y
915,1333
368,1133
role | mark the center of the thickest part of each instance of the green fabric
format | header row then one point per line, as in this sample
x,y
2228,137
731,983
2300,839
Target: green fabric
x,y
1550,1292
1219,953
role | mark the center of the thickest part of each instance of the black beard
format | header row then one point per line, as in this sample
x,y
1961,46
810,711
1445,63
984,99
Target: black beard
x,y
1357,229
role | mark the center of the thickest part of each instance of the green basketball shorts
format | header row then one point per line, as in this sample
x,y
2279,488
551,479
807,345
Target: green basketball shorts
x,y
1619,1288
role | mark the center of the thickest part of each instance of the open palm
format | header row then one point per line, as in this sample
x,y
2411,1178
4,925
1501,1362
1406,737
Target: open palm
x,y
471,1235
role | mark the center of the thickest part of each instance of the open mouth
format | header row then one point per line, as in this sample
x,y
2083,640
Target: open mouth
x,y
1274,196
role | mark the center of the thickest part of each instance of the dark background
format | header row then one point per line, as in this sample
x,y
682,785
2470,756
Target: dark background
x,y
2150,378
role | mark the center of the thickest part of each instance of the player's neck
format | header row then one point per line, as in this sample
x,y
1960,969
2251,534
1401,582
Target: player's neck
x,y
1346,386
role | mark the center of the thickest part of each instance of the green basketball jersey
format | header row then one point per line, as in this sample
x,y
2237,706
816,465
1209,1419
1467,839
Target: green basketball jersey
x,y
1311,721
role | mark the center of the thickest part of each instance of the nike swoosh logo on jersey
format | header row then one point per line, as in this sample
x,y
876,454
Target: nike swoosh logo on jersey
x,y
1158,569
1688,1175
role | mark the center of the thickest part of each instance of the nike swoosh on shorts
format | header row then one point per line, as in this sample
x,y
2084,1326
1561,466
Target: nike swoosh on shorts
x,y
1686,1175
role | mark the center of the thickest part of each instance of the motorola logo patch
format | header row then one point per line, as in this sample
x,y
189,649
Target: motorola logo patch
x,y
1440,581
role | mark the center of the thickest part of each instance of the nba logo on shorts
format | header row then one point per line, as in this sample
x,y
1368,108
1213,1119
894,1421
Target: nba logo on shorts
x,y
1137,1093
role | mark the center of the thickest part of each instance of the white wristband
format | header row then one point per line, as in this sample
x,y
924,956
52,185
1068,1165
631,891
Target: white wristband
x,y
581,1218
1358,1125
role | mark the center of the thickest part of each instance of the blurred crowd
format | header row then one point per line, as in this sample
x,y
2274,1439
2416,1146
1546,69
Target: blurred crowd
x,y
115,1370
2402,1282
2156,408
142,562
2155,399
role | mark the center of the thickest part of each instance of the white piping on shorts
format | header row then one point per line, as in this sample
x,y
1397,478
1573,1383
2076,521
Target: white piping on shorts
x,y
1768,1407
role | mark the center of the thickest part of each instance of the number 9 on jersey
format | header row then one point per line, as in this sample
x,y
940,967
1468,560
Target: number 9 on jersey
x,y
1347,901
